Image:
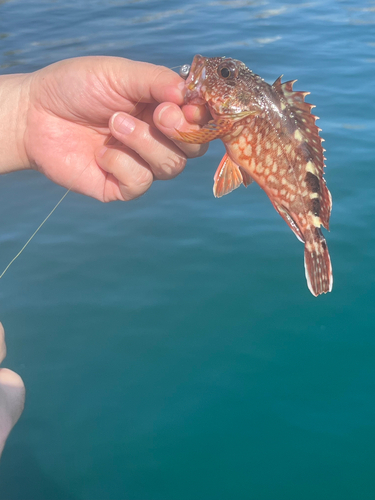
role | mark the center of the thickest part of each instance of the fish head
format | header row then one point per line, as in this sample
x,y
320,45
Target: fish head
x,y
226,85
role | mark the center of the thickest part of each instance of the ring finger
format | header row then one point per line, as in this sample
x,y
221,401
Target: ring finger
x,y
130,175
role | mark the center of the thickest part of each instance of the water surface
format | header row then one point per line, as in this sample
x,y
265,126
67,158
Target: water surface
x,y
170,346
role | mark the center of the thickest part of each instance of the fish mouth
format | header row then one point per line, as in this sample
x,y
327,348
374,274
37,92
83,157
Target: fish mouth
x,y
194,86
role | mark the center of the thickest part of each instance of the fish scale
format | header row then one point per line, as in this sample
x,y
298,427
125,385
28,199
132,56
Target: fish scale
x,y
267,165
270,137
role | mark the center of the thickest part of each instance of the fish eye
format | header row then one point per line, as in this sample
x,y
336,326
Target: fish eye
x,y
227,69
224,72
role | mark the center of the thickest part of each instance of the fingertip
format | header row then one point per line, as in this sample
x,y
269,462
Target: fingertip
x,y
168,86
196,114
168,117
176,93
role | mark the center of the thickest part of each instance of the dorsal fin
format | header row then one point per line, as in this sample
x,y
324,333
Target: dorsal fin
x,y
293,105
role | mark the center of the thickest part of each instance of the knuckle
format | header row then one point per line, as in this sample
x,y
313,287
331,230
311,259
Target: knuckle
x,y
179,165
173,167
132,191
144,137
138,183
160,71
144,178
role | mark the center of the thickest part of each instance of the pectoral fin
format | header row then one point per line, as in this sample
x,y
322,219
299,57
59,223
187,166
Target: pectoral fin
x,y
228,177
212,130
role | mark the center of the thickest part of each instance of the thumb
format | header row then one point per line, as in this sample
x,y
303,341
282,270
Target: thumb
x,y
144,82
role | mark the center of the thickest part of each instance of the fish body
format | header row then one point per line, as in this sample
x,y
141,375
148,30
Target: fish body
x,y
270,137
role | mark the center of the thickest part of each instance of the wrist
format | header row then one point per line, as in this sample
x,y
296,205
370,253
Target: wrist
x,y
14,104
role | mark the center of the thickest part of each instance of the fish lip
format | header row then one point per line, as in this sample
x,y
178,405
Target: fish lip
x,y
194,85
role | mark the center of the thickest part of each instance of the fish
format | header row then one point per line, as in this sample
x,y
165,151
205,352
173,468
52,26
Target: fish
x,y
271,137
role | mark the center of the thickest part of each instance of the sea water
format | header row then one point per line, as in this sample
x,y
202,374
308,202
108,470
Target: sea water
x,y
170,347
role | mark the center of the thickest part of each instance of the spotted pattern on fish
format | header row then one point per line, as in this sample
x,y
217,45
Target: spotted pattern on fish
x,y
270,136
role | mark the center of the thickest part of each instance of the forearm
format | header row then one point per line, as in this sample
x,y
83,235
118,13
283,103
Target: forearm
x,y
14,103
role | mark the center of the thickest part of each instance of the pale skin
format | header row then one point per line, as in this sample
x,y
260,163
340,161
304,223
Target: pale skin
x,y
12,395
101,126
58,119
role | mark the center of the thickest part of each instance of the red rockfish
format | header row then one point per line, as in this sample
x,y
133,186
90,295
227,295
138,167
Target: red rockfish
x,y
271,137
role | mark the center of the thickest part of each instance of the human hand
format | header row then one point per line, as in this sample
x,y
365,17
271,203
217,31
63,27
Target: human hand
x,y
75,104
12,396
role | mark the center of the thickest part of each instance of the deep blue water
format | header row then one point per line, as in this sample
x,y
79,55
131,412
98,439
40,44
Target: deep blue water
x,y
170,347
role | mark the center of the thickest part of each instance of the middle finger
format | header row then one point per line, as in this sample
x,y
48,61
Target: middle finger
x,y
165,159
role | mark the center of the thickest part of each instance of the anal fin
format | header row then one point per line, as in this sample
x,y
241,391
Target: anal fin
x,y
289,220
228,177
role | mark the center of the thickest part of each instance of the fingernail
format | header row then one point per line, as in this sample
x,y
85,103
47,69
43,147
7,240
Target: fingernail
x,y
197,114
181,85
123,124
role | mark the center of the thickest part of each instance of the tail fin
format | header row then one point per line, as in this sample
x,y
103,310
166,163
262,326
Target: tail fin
x,y
318,265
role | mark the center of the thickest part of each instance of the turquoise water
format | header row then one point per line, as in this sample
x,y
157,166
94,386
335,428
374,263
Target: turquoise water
x,y
170,347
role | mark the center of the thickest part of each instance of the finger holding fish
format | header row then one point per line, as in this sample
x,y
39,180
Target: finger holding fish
x,y
146,146
169,118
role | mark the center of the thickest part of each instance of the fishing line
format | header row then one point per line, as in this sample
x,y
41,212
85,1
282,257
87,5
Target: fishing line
x,y
32,236
45,220
182,74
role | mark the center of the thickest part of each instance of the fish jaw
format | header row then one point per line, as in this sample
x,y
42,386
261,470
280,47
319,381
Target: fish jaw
x,y
195,83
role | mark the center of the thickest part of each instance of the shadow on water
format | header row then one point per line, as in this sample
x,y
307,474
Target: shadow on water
x,y
20,472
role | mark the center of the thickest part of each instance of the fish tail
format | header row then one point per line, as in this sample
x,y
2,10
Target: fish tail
x,y
318,266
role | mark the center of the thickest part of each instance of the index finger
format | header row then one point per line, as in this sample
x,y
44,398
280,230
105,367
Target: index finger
x,y
168,118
